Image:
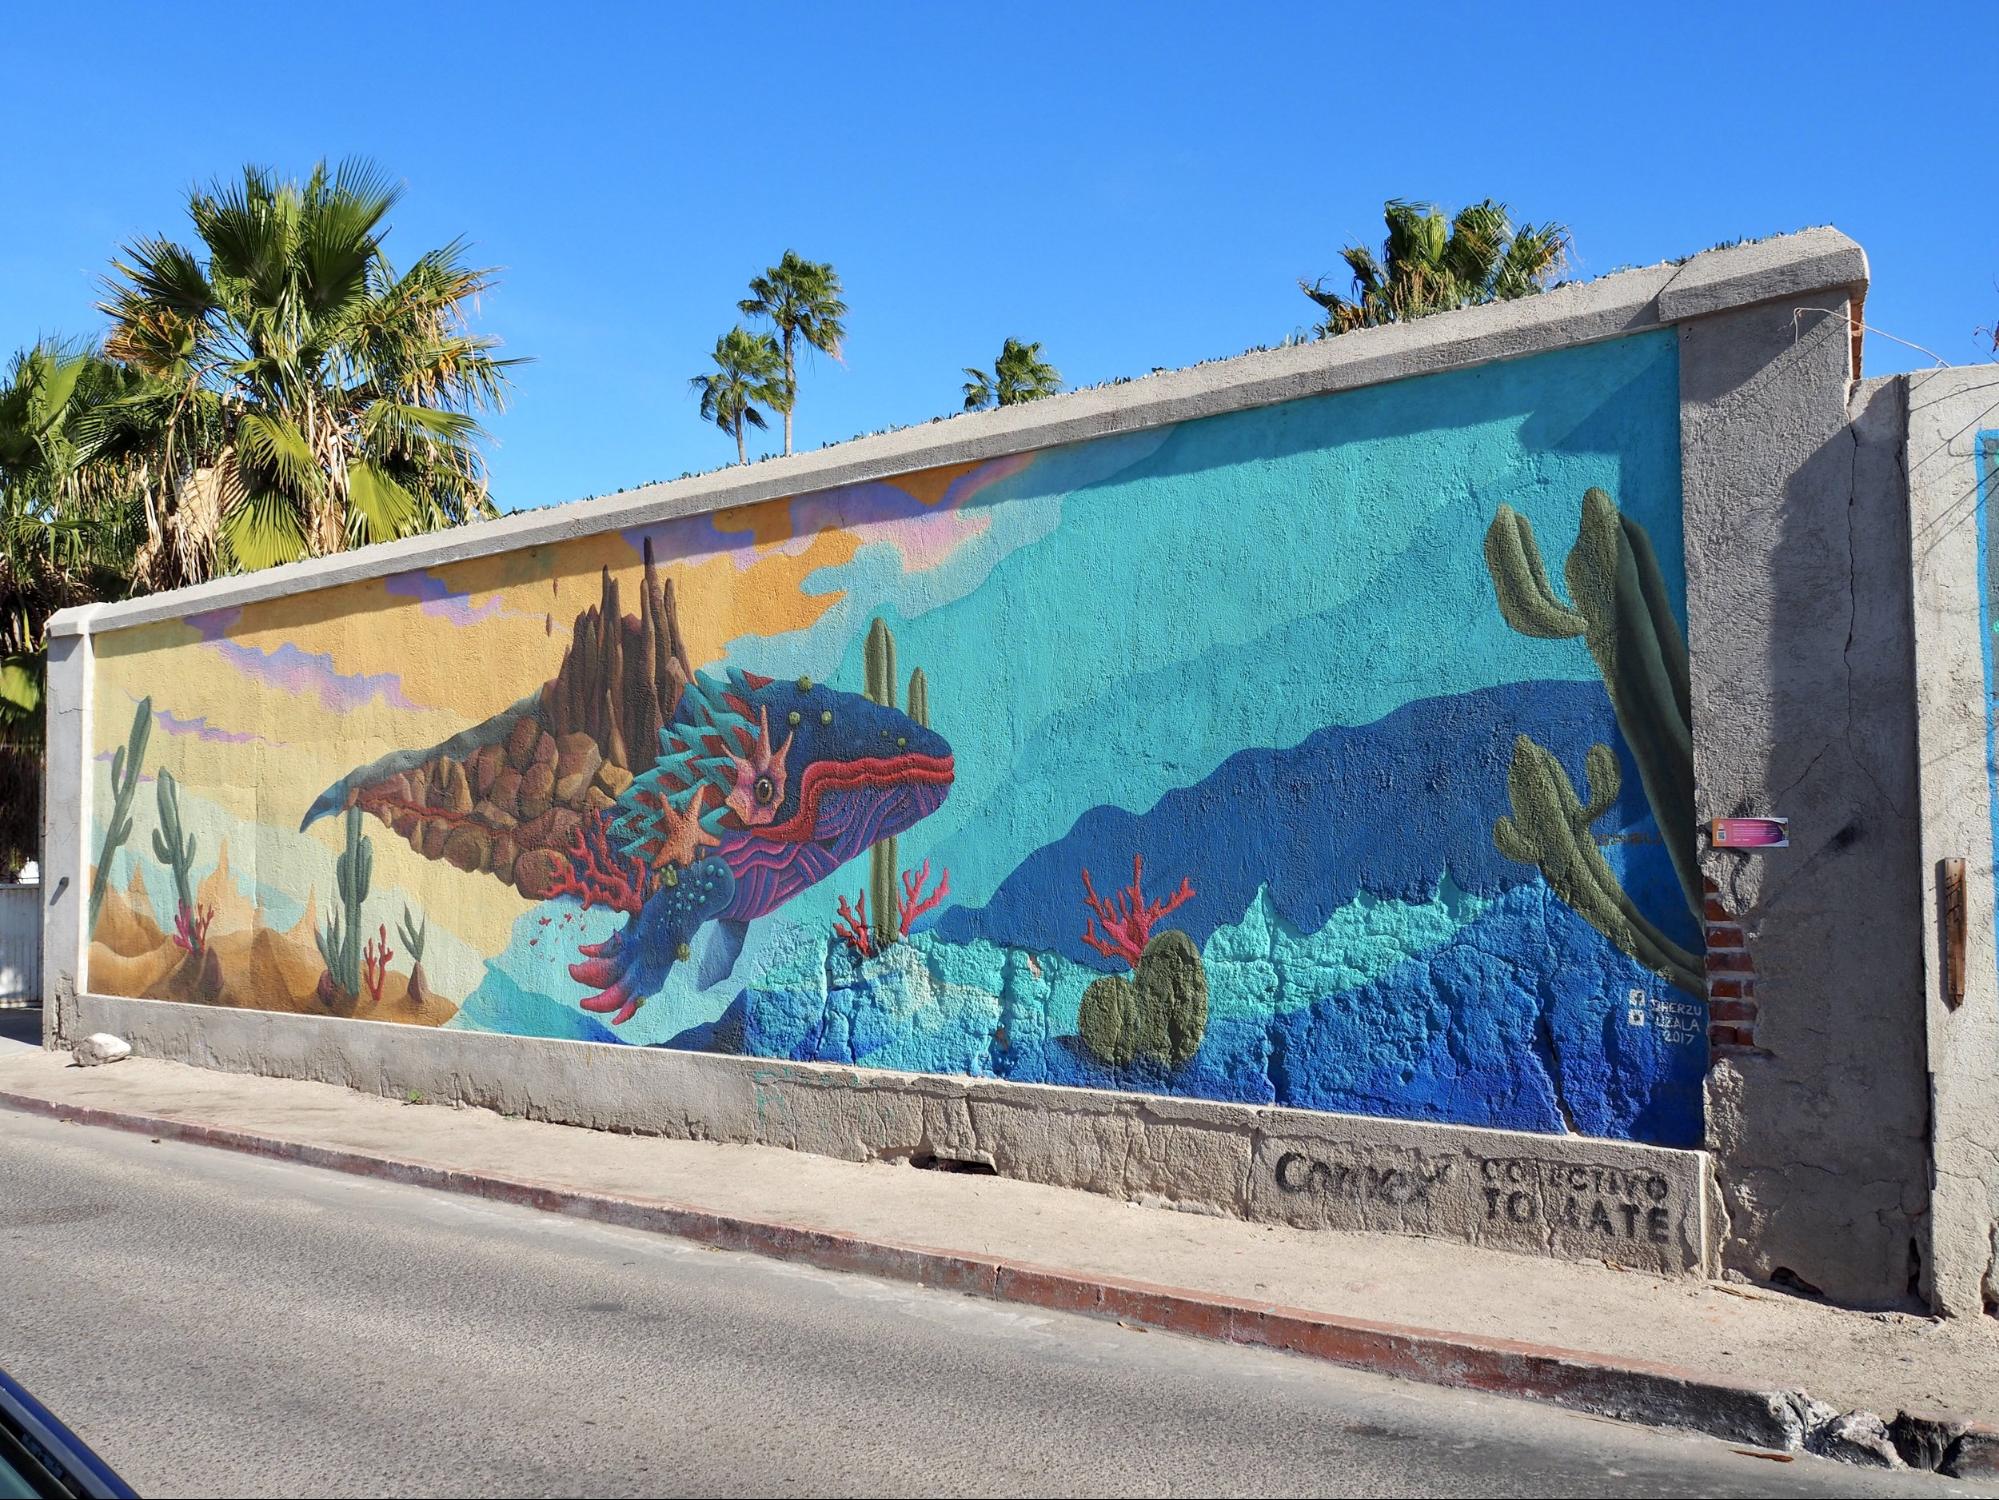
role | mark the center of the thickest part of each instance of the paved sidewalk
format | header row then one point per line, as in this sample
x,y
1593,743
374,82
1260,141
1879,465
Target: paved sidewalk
x,y
1724,1358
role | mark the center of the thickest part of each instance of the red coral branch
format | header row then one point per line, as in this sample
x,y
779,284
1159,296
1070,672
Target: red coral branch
x,y
852,926
192,936
375,963
914,902
1128,917
598,873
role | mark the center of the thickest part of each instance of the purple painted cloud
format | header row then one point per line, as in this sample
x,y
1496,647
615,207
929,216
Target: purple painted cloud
x,y
299,671
440,599
201,729
213,624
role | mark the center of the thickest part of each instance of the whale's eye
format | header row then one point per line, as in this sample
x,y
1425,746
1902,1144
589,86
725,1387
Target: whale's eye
x,y
766,790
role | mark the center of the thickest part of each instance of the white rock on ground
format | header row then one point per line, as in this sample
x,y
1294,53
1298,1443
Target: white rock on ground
x,y
100,1047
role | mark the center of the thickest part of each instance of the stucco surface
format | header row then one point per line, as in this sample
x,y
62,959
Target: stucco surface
x,y
1952,477
1798,606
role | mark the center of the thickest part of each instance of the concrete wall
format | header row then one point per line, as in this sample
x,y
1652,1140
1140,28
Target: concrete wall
x,y
1953,475
1803,694
1196,618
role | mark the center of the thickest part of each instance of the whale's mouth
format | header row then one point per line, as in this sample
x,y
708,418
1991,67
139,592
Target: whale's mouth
x,y
923,779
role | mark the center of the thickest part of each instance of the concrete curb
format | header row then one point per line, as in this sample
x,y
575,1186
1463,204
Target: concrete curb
x,y
1627,1390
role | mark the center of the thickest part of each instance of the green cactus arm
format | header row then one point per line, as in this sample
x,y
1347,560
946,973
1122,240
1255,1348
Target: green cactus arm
x,y
142,731
880,657
1605,781
1659,610
919,698
1643,661
1511,842
1520,581
1547,829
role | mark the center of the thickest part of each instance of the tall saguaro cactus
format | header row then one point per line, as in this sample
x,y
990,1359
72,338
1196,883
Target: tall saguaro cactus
x,y
883,898
174,846
340,939
1617,604
124,783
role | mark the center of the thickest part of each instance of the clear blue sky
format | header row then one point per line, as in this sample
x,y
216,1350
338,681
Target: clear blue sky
x,y
1135,186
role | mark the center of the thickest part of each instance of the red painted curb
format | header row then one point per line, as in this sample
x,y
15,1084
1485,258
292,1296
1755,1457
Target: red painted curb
x,y
1631,1390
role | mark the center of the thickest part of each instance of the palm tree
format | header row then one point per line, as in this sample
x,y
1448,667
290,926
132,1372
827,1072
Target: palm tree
x,y
802,300
1019,374
69,531
303,395
1428,264
749,369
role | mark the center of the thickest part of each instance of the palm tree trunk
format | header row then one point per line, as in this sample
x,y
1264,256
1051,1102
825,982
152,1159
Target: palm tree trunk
x,y
791,391
742,457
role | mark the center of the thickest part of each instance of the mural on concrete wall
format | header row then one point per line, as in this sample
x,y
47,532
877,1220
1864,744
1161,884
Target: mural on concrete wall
x,y
1259,758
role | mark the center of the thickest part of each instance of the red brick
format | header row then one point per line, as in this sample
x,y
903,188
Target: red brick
x,y
1730,963
1716,912
1732,1010
1730,1036
1725,935
1720,988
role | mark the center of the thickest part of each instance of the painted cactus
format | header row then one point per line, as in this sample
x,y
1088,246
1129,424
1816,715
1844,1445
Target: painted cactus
x,y
340,939
1618,606
1550,828
414,935
881,858
175,846
124,784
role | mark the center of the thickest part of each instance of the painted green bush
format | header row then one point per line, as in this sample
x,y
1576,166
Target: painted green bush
x,y
1161,1012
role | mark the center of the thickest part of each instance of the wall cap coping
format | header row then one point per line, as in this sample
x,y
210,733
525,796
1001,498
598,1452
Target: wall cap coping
x,y
1589,312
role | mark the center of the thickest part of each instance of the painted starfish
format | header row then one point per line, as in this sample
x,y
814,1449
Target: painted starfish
x,y
681,837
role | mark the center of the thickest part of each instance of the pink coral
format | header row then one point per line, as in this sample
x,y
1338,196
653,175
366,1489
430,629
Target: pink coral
x,y
192,936
598,873
1128,917
375,963
852,926
914,902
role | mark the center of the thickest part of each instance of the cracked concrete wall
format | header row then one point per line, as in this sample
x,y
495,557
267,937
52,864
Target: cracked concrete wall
x,y
1803,667
1953,474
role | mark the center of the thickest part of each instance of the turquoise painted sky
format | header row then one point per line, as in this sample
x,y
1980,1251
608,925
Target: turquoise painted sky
x,y
1248,580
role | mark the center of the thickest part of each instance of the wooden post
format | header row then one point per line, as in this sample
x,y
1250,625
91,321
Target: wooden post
x,y
1951,907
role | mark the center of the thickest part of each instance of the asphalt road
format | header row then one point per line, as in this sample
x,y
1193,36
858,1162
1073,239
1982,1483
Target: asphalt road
x,y
219,1325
